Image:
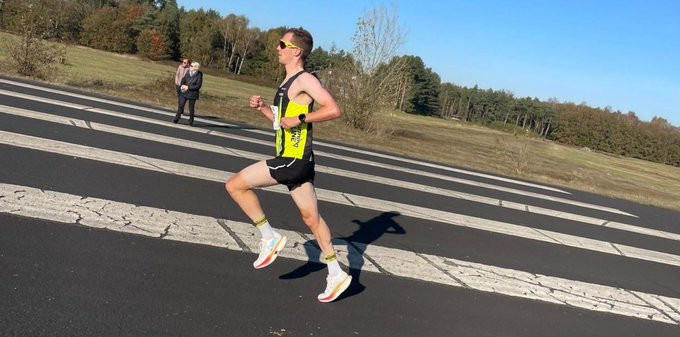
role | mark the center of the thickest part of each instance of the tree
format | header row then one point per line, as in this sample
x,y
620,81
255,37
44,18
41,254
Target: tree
x,y
168,24
422,96
377,38
199,35
448,99
232,29
152,44
318,59
113,28
16,14
258,60
245,45
365,85
272,70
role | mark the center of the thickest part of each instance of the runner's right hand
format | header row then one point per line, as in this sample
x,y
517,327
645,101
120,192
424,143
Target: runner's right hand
x,y
256,102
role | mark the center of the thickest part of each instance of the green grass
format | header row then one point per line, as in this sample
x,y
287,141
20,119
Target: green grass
x,y
87,66
443,141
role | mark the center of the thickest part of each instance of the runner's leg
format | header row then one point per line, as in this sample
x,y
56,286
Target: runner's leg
x,y
240,188
305,199
241,185
337,280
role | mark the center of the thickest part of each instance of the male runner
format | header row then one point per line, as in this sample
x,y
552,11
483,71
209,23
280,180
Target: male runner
x,y
293,165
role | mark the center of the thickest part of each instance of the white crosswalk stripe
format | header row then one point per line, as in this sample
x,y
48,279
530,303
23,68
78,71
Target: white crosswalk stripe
x,y
168,224
339,172
126,105
197,172
319,153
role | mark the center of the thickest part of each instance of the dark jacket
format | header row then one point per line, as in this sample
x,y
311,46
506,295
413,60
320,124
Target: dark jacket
x,y
194,82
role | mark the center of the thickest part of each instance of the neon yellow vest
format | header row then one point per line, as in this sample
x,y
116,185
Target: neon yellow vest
x,y
295,142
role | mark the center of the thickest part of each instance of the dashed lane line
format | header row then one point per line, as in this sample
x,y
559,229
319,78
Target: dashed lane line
x,y
17,111
330,145
339,172
197,172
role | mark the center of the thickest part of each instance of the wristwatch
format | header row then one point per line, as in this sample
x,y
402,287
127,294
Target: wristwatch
x,y
302,117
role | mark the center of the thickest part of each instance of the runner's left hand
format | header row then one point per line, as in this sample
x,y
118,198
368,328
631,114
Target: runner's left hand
x,y
289,122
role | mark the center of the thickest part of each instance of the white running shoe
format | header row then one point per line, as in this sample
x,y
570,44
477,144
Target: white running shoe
x,y
335,286
269,250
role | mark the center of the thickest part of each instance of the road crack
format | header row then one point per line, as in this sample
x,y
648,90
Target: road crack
x,y
233,234
446,272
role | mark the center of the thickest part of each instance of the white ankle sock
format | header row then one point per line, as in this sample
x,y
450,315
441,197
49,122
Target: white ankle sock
x,y
266,230
333,265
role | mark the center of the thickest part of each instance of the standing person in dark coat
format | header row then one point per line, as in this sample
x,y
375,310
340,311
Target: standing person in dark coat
x,y
190,87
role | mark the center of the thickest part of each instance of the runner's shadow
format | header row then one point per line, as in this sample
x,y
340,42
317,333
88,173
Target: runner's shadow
x,y
367,233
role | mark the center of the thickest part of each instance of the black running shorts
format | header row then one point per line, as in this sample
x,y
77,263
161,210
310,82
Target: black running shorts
x,y
291,172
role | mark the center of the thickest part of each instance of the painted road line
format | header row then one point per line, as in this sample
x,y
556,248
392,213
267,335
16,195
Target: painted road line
x,y
323,154
316,153
213,122
339,172
484,185
171,225
197,172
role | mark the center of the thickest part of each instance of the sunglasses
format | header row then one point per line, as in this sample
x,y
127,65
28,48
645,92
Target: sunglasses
x,y
285,44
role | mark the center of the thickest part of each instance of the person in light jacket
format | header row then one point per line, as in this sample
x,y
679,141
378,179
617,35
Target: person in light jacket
x,y
182,70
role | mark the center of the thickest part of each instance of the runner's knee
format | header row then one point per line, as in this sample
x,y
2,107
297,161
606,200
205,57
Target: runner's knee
x,y
310,218
233,185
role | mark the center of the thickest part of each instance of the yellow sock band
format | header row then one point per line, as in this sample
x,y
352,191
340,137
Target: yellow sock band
x,y
261,221
330,258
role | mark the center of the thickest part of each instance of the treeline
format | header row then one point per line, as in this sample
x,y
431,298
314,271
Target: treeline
x,y
618,133
160,30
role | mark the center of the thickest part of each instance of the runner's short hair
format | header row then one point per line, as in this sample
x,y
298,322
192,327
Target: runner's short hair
x,y
302,39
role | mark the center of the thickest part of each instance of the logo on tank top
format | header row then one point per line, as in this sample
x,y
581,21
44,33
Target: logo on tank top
x,y
295,136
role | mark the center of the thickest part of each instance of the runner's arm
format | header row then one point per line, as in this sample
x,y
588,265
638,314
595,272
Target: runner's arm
x,y
256,102
329,108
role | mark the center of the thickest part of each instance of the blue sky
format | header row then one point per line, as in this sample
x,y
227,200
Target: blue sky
x,y
624,54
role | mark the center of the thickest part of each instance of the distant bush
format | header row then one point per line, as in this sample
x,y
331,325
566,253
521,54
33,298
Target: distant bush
x,y
32,55
152,44
112,28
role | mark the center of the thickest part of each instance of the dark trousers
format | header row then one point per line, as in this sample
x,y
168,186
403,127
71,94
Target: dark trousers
x,y
180,108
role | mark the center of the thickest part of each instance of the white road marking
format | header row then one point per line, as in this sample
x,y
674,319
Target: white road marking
x,y
339,172
197,172
374,154
324,154
171,225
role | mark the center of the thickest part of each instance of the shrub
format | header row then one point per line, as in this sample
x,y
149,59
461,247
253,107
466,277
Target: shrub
x,y
32,56
111,28
152,44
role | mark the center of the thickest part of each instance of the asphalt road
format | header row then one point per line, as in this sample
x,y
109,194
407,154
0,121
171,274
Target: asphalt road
x,y
61,277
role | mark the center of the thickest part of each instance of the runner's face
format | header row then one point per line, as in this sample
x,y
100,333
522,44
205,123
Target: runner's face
x,y
286,55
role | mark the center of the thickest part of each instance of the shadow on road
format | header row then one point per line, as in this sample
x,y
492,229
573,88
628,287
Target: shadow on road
x,y
368,232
